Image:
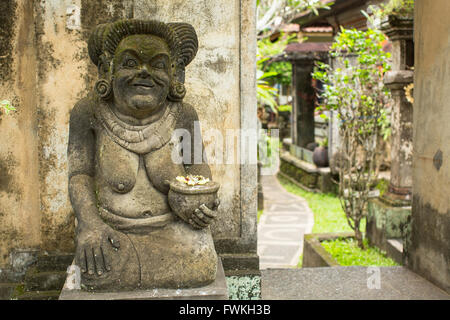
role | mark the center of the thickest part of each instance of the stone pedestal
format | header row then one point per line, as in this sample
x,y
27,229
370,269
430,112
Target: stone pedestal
x,y
389,216
401,139
400,33
215,291
385,221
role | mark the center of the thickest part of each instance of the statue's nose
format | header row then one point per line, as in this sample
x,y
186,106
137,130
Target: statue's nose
x,y
144,72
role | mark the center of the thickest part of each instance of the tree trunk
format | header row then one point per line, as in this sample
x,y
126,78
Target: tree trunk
x,y
359,236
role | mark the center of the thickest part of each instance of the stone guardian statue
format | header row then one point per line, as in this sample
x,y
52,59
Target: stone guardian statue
x,y
137,226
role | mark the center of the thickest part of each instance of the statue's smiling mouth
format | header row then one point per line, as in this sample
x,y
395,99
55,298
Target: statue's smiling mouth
x,y
144,84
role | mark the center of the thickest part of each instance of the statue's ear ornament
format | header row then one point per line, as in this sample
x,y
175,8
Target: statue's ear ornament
x,y
104,89
177,91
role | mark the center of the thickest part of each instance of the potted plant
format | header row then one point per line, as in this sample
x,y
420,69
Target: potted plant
x,y
396,17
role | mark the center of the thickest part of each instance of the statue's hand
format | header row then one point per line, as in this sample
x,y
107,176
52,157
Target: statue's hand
x,y
92,242
203,216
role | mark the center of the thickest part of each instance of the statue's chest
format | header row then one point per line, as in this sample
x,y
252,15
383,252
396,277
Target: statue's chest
x,y
119,167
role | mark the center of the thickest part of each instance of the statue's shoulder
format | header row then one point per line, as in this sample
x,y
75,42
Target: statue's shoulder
x,y
83,109
188,113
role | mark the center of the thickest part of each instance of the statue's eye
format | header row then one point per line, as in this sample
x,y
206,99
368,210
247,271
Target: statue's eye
x,y
159,65
131,63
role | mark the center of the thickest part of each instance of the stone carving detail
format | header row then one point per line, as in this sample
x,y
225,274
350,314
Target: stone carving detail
x,y
136,226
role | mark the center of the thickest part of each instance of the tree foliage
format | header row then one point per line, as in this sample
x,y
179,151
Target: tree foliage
x,y
355,89
270,72
273,13
399,8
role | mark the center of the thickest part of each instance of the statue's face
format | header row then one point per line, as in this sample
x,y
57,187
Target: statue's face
x,y
141,75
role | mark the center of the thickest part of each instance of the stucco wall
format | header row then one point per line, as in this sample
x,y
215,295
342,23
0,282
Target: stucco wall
x,y
46,70
19,170
429,246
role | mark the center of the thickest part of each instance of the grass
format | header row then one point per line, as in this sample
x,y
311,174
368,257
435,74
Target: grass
x,y
347,253
382,185
260,212
300,261
329,217
328,213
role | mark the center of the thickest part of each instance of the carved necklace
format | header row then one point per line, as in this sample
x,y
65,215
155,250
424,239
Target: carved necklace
x,y
139,139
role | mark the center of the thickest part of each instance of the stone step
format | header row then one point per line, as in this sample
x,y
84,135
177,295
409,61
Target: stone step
x,y
53,262
7,290
44,281
394,249
39,295
347,283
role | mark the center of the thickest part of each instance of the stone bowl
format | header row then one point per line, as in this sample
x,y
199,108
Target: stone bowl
x,y
184,199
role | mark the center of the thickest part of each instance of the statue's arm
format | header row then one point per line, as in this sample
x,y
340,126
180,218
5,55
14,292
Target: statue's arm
x,y
93,235
81,153
201,167
203,216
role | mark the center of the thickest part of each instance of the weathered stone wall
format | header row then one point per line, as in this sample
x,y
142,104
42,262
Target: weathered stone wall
x,y
429,245
45,69
20,214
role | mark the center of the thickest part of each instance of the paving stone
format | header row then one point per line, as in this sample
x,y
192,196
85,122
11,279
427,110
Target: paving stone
x,y
282,226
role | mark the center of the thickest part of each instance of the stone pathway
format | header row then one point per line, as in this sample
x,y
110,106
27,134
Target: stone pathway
x,y
285,220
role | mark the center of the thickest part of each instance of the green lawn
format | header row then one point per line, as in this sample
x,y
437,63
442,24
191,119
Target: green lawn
x,y
347,253
329,217
328,213
260,212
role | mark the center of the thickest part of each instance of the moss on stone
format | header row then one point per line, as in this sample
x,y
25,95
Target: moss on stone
x,y
244,287
309,180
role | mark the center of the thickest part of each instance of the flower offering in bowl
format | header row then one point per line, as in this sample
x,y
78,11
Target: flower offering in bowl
x,y
188,193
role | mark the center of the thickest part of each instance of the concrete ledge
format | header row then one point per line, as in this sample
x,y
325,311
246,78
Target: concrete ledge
x,y
315,255
307,175
399,77
215,291
306,166
347,283
394,250
236,264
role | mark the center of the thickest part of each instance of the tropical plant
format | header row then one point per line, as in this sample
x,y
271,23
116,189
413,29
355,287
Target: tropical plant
x,y
355,89
271,14
269,72
265,93
324,143
270,50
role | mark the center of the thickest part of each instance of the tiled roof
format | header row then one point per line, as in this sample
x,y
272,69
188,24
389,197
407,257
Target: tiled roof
x,y
318,29
292,27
